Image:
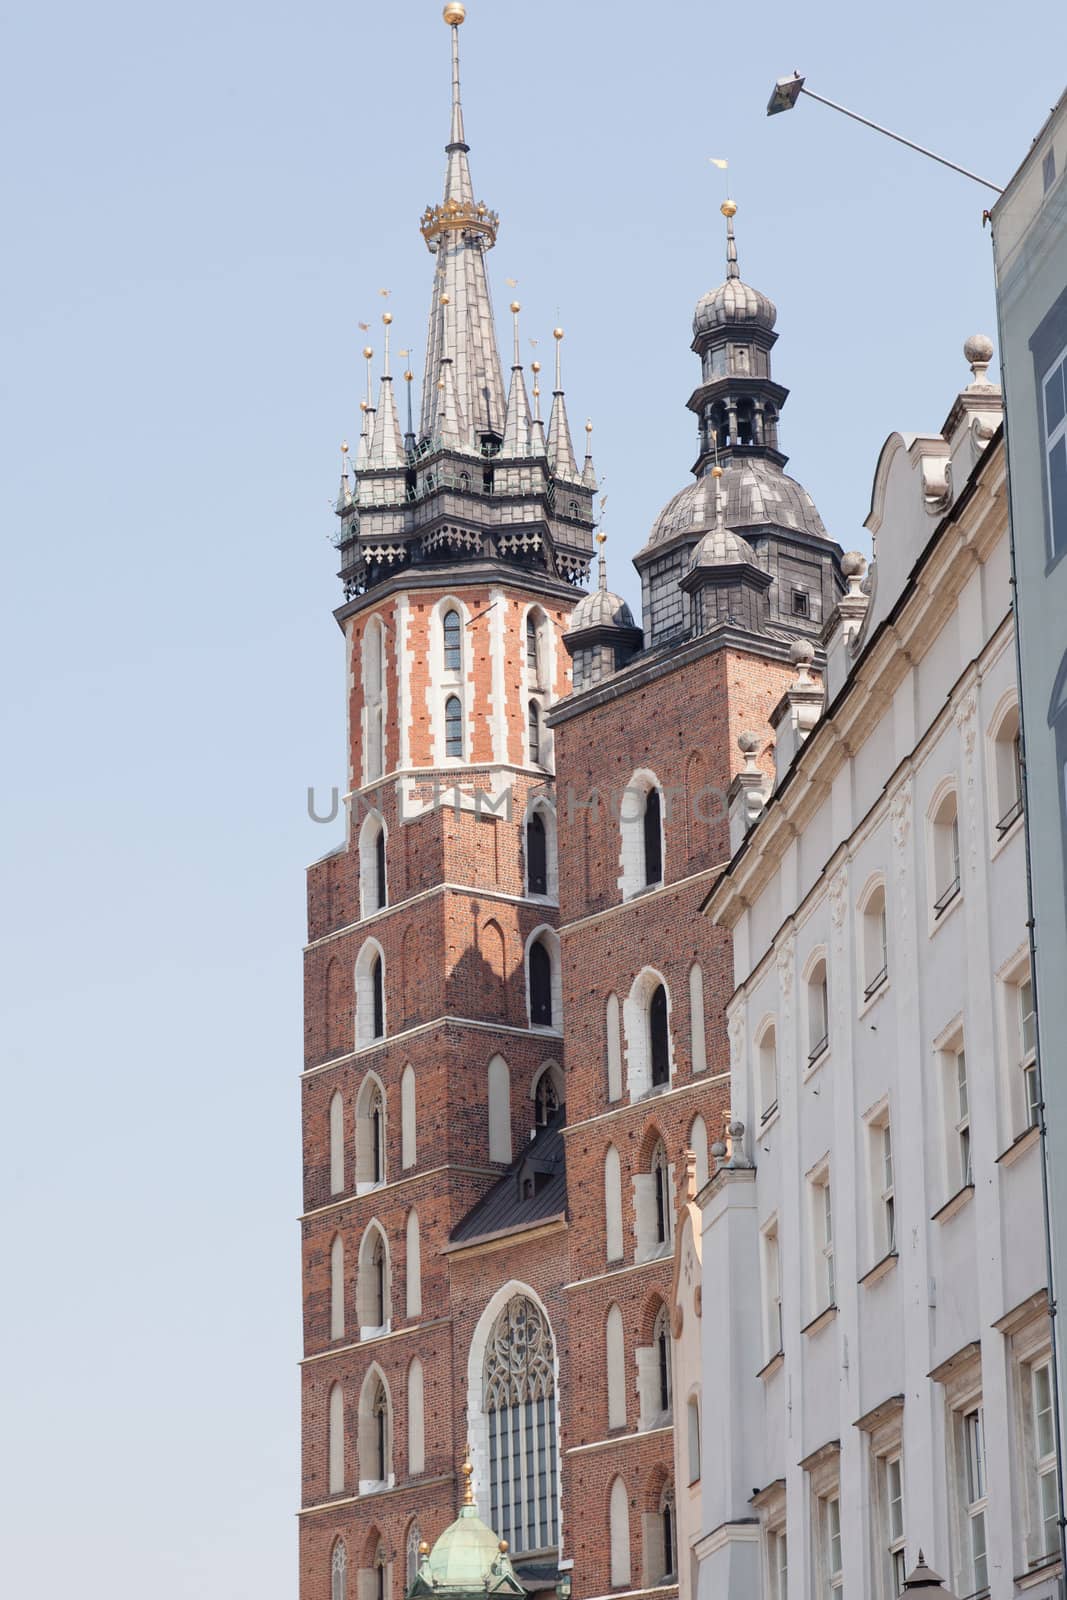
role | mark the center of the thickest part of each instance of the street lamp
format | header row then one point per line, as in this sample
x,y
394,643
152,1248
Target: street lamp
x,y
563,1586
925,1581
787,91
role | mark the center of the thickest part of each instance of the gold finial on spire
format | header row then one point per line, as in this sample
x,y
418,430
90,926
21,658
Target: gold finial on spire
x,y
729,208
455,14
515,309
344,447
467,1469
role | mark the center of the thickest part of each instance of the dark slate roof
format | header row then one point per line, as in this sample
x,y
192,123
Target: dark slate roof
x,y
509,1204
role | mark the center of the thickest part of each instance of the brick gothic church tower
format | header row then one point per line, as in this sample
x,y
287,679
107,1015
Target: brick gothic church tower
x,y
487,1234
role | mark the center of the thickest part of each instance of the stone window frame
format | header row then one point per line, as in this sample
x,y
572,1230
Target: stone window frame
x,y
1027,1331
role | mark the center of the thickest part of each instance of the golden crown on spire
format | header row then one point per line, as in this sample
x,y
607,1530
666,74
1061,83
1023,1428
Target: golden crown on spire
x,y
459,216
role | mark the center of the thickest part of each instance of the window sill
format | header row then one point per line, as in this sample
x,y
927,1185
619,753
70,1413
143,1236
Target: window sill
x,y
942,910
955,1205
873,993
775,1364
881,1269
1002,840
1019,1146
769,1118
814,1063
823,1320
1040,1571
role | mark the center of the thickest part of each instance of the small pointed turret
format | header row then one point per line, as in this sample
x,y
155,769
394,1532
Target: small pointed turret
x,y
538,447
387,445
560,448
344,494
366,438
517,421
589,471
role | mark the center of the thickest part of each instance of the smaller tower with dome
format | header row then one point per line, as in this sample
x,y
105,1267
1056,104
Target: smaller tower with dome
x,y
468,1561
742,516
602,634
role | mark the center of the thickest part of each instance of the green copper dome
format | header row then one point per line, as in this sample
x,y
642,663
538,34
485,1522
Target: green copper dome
x,y
467,1561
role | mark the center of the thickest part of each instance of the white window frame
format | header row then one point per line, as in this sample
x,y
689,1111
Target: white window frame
x,y
1049,441
824,1272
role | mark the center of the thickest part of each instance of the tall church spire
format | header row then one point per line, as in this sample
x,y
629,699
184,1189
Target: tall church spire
x,y
459,232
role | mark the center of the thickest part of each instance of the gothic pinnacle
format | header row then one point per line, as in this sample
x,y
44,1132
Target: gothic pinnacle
x,y
560,448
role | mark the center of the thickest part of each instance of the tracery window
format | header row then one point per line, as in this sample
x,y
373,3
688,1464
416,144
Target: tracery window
x,y
411,1565
546,1098
339,1572
519,1396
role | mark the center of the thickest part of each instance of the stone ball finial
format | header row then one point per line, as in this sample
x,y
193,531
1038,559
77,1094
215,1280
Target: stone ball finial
x,y
853,564
737,1130
748,743
978,351
802,652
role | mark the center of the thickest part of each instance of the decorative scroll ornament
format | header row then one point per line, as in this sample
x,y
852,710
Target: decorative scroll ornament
x,y
786,964
900,816
736,1030
839,897
965,721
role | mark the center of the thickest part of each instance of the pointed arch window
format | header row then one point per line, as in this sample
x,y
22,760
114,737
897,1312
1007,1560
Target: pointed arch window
x,y
453,631
661,1195
670,1532
548,1095
339,1572
540,985
454,727
411,1553
370,1134
380,1415
531,644
519,1399
379,867
378,993
534,720
653,837
380,1573
661,1340
659,1036
536,855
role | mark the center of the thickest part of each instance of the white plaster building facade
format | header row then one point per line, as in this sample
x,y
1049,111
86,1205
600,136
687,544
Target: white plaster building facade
x,y
879,1341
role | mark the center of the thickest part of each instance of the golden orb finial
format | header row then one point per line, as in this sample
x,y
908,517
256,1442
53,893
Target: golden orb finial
x,y
716,472
446,299
387,317
515,307
557,333
503,1547
467,1470
367,352
424,1547
409,377
601,538
535,366
344,447
363,405
729,208
589,426
455,14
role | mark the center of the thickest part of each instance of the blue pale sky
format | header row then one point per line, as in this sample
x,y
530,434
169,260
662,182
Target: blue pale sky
x,y
202,202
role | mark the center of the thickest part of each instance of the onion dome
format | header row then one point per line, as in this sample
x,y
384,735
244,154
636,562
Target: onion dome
x,y
757,494
601,609
733,302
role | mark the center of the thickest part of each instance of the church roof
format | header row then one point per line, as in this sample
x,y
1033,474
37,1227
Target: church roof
x,y
532,1190
757,493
